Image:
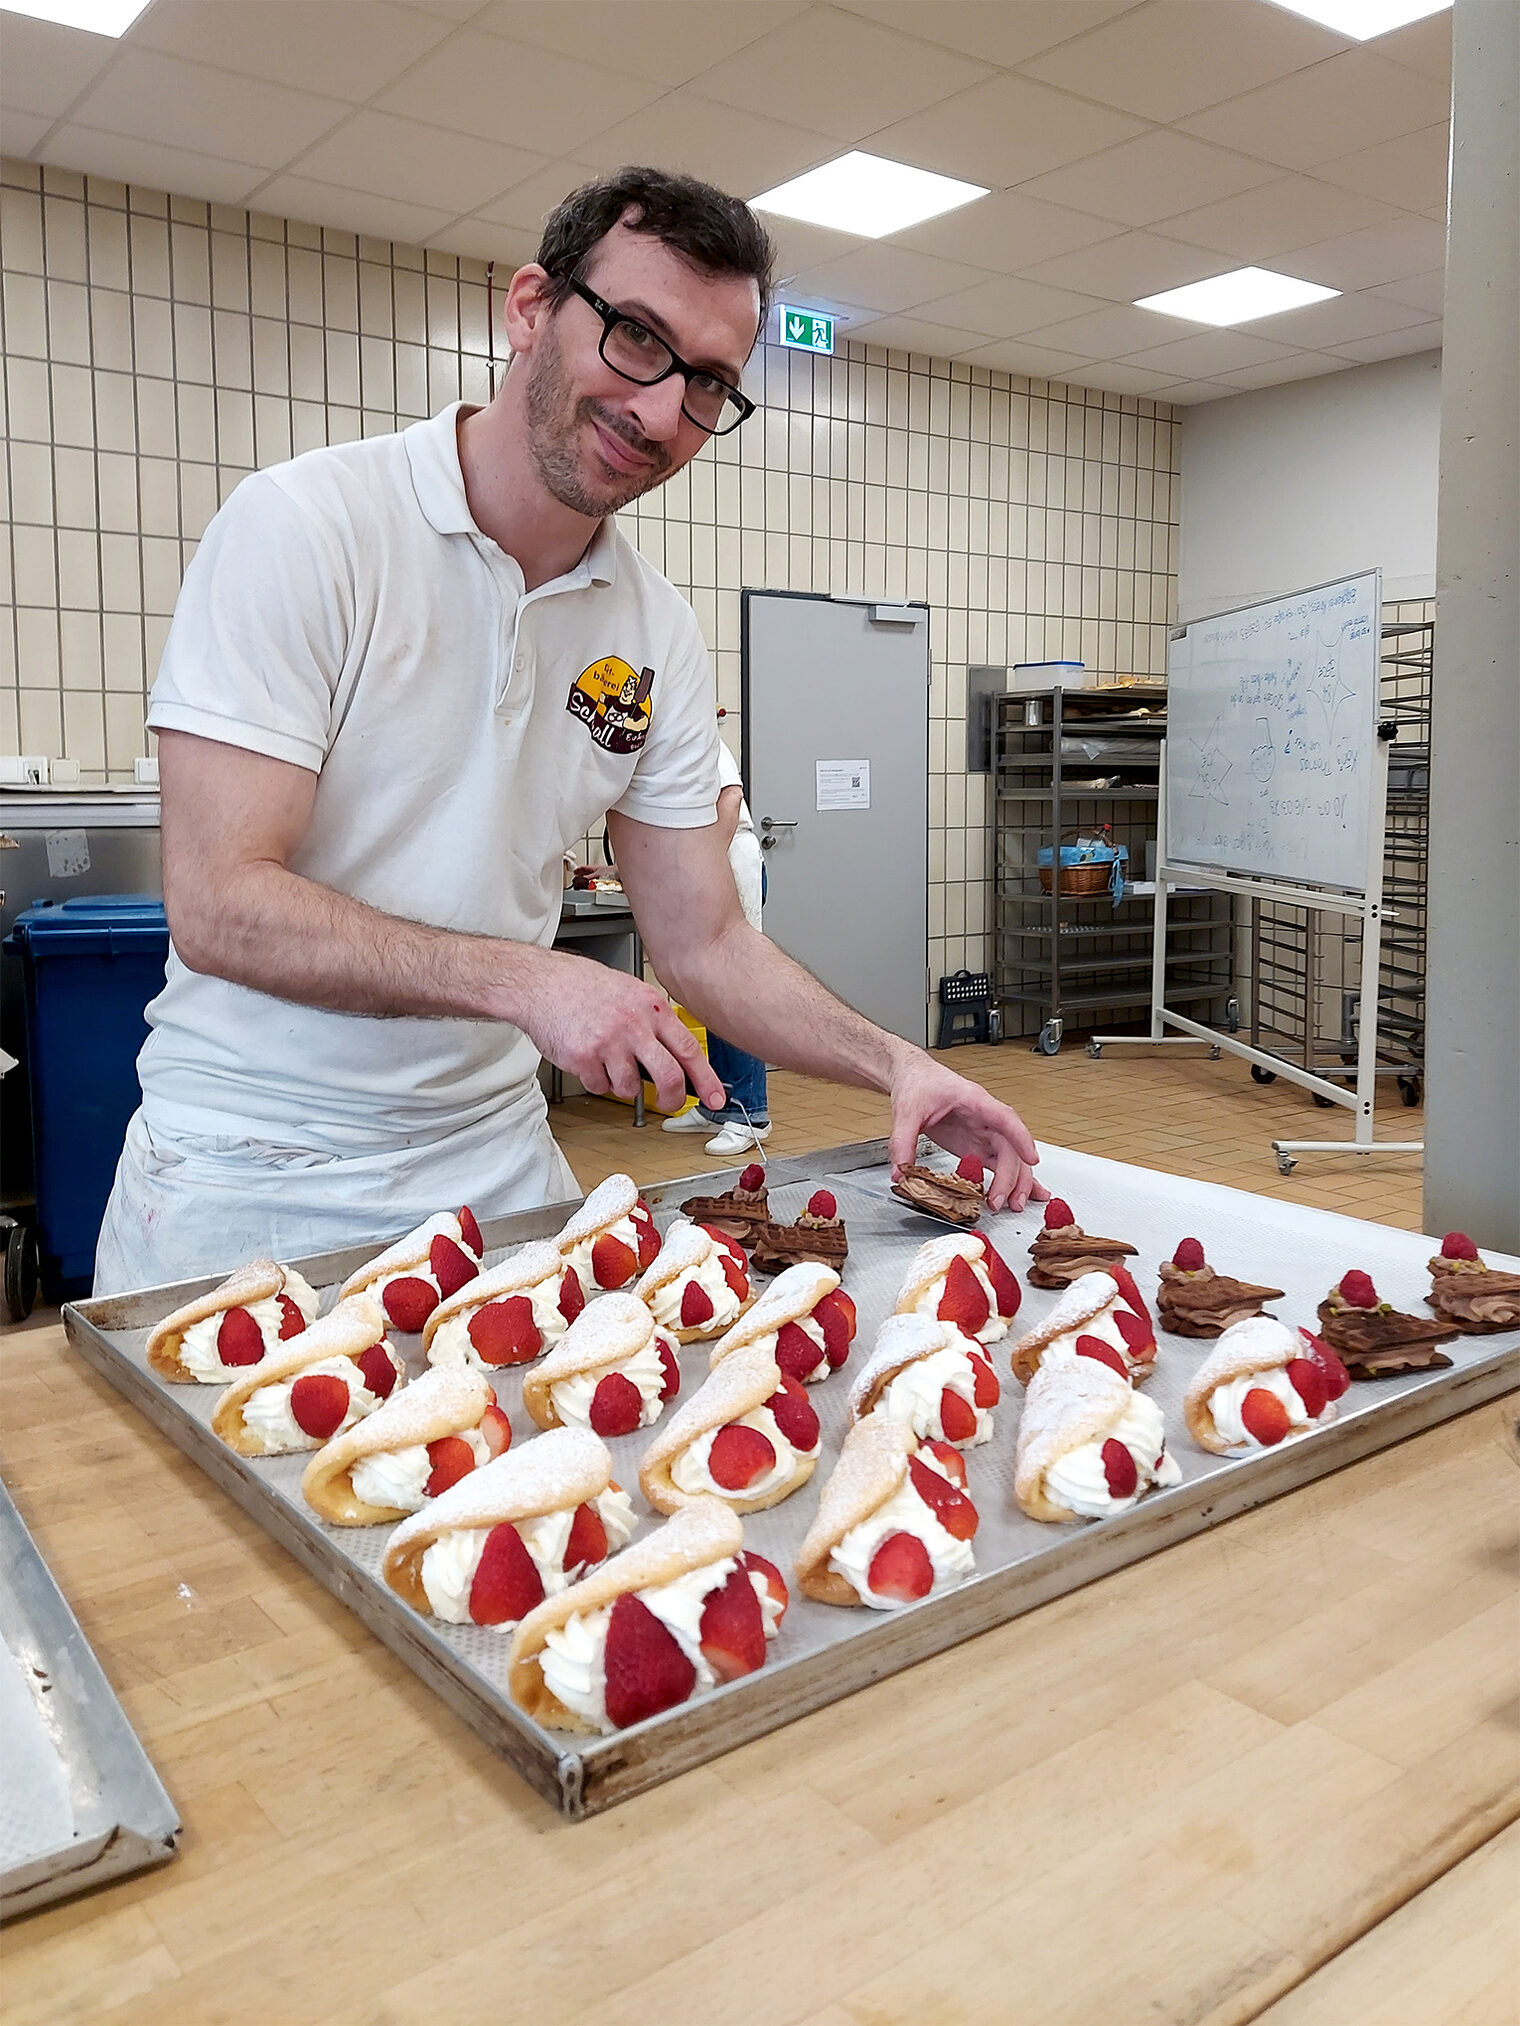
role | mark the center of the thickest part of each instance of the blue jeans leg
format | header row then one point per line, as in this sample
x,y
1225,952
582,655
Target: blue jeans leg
x,y
745,1077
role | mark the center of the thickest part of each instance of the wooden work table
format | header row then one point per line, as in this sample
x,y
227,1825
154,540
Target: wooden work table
x,y
1266,1775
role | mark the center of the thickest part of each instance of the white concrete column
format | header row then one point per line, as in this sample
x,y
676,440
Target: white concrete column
x,y
1472,1081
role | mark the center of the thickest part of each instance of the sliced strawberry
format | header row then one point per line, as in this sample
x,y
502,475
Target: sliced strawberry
x,y
587,1542
696,1306
1124,1280
496,1430
616,1405
794,1415
739,1456
733,1630
1310,1384
985,1388
409,1302
1457,1245
822,1204
1264,1416
292,1322
452,1267
239,1340
379,1371
318,1402
964,1301
729,1245
1139,1337
1103,1354
671,1369
1058,1214
949,1505
771,1576
469,1230
1337,1378
901,1569
796,1353
1357,1288
1189,1255
970,1169
956,1416
736,1274
752,1180
649,1238
1005,1287
507,1584
452,1458
947,1461
1119,1469
646,1670
838,1325
612,1263
572,1296
504,1332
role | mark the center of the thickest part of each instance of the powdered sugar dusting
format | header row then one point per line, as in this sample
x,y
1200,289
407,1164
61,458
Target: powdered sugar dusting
x,y
1259,1343
686,1247
1064,1406
560,1469
902,1340
604,1333
454,1394
607,1202
537,1261
933,1260
412,1250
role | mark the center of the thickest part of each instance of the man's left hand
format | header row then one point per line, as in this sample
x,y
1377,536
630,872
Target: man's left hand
x,y
962,1117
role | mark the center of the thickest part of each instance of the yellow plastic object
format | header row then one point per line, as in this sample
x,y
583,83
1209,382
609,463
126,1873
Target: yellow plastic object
x,y
651,1102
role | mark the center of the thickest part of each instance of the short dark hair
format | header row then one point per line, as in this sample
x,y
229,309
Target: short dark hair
x,y
709,229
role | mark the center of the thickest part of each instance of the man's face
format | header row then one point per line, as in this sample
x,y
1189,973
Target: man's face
x,y
599,440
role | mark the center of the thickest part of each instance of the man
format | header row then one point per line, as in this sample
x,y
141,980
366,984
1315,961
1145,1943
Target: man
x,y
392,697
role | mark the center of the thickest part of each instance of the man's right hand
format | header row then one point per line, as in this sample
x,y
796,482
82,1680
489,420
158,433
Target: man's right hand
x,y
611,1030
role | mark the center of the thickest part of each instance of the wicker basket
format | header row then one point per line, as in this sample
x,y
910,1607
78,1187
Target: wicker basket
x,y
1079,879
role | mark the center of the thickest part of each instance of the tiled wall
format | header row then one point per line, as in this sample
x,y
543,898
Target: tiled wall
x,y
158,349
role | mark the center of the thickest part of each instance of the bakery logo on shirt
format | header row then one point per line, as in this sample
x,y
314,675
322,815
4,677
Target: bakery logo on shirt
x,y
612,702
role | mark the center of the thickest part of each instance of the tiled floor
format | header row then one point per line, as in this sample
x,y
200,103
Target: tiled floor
x,y
1178,1112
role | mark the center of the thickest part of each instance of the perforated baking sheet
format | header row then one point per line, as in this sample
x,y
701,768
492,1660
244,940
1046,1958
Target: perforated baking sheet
x,y
822,1652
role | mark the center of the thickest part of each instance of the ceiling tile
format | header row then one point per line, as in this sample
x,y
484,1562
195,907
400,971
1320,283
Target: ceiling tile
x,y
837,74
1003,32
1007,305
1132,265
1320,325
414,163
1349,102
46,67
1189,393
1425,292
667,41
735,150
800,246
1297,366
1209,352
309,44
1409,171
1150,177
886,278
447,10
209,111
1112,378
1293,211
1112,332
1006,230
1035,362
319,203
509,247
914,334
1002,132
1177,56
1393,344
1375,257
528,203
20,132
151,165
1423,45
484,85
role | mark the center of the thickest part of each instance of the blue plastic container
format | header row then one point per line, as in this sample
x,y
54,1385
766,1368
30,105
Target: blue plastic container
x,y
89,967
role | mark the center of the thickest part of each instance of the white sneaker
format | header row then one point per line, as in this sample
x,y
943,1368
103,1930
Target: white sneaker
x,y
736,1136
692,1120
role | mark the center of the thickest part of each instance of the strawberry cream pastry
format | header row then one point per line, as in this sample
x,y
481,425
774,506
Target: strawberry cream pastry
x,y
740,1212
410,1278
930,1376
1063,1251
1101,1317
804,1319
818,1235
747,1436
961,1280
508,1315
1262,1384
698,1287
238,1324
522,1527
612,1371
1373,1339
431,1434
1467,1292
322,1382
611,1239
1089,1445
958,1198
1195,1301
894,1523
669,1618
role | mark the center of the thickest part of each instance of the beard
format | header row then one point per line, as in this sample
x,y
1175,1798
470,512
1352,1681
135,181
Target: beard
x,y
556,425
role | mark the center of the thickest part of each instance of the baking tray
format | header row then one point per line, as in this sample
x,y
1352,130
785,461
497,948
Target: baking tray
x,y
824,1653
123,1819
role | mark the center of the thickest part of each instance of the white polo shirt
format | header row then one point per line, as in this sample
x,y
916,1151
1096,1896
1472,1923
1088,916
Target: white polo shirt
x,y
345,613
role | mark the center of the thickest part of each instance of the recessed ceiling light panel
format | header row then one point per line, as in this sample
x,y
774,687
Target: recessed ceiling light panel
x,y
867,195
100,17
1362,19
1238,298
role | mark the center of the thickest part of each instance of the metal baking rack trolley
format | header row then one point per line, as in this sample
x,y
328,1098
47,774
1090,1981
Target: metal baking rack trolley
x,y
1274,789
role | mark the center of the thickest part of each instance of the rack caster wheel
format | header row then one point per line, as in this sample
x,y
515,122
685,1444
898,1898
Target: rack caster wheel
x,y
1214,1051
1260,1075
1095,1049
1048,1042
1232,1015
1411,1090
1324,1103
1286,1164
19,1295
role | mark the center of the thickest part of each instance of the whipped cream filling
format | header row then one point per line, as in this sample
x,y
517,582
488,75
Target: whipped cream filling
x,y
1078,1480
572,1397
1062,1350
904,1513
267,1410
689,1472
198,1351
1225,1403
771,1607
452,1340
449,1563
913,1396
574,1654
579,1254
398,1477
665,1302
994,1327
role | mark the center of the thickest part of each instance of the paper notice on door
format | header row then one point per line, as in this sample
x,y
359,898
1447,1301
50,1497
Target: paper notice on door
x,y
68,853
843,784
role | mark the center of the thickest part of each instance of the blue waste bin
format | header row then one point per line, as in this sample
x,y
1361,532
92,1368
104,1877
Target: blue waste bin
x,y
89,968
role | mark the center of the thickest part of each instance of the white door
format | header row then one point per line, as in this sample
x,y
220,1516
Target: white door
x,y
836,763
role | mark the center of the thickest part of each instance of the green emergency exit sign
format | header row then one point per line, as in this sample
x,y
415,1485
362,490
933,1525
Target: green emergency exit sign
x,y
806,330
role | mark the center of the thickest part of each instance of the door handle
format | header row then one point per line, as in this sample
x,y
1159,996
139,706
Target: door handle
x,y
776,823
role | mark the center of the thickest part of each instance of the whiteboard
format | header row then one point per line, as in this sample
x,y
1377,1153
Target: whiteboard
x,y
1271,737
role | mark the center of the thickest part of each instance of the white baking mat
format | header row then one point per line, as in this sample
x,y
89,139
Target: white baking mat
x,y
36,1814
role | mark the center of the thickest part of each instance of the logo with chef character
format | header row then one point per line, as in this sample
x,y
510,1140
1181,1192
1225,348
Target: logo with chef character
x,y
612,702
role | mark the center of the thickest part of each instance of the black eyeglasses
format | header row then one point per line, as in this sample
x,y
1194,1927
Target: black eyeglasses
x,y
634,353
